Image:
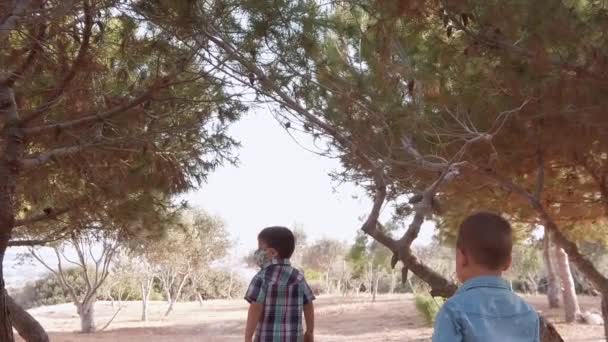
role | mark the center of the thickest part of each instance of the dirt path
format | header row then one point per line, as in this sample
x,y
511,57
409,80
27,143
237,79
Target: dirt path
x,y
391,318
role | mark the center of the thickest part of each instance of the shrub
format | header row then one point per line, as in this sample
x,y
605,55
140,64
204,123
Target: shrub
x,y
428,307
48,290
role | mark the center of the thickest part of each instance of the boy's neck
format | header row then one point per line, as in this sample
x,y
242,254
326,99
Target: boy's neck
x,y
482,273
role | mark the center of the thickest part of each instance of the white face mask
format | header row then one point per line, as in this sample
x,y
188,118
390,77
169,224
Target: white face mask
x,y
260,257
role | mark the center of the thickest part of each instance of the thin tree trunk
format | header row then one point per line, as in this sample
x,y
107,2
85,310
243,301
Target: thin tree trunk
x,y
230,284
327,282
605,312
168,295
377,280
553,288
146,286
27,327
200,298
393,282
571,307
86,311
177,295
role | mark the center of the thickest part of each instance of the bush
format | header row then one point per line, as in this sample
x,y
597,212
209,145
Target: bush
x,y
48,290
214,285
428,307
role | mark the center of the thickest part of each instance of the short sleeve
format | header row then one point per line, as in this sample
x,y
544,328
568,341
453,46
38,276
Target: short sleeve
x,y
446,328
309,296
256,292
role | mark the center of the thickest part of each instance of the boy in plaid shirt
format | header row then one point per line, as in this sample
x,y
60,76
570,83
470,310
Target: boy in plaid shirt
x,y
278,294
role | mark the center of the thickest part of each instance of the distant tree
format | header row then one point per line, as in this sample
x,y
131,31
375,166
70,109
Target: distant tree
x,y
322,255
527,266
94,254
192,242
301,244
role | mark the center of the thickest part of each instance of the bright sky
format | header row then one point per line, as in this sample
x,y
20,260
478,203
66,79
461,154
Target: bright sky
x,y
279,183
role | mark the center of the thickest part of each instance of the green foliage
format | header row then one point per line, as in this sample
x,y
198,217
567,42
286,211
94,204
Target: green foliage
x,y
216,284
49,290
313,275
118,116
428,307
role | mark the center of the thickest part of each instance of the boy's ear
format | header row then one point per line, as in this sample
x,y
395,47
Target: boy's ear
x,y
273,252
462,257
507,264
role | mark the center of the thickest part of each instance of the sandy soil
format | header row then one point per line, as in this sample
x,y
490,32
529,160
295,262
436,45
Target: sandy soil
x,y
391,318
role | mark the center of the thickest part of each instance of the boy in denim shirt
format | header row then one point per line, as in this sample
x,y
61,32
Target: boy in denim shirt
x,y
278,294
485,308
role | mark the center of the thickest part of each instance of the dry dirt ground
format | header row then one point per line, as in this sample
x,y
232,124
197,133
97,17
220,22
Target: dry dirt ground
x,y
391,318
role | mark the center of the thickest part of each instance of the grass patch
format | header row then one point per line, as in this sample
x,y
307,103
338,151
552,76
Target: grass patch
x,y
428,307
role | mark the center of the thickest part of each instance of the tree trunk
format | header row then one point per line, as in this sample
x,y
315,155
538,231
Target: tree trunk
x,y
168,295
200,298
393,282
230,284
12,141
146,287
376,281
27,327
553,288
533,283
605,312
327,283
177,294
571,307
86,311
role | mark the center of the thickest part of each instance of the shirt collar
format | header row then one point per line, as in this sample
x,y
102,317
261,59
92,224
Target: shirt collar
x,y
485,281
276,261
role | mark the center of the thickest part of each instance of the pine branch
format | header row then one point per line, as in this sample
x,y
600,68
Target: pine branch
x,y
43,158
98,117
77,64
48,214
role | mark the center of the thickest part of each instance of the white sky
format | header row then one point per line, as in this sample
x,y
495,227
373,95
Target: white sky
x,y
278,182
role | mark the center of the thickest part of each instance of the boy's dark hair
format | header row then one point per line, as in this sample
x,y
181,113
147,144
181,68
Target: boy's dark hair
x,y
279,238
487,238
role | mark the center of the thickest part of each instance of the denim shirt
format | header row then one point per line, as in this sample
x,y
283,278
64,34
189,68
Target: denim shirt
x,y
486,309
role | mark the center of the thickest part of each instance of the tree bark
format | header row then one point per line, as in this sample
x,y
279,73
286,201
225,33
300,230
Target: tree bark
x,y
168,295
327,282
553,288
200,298
146,286
376,281
86,311
605,312
177,295
230,284
571,306
12,136
393,282
27,327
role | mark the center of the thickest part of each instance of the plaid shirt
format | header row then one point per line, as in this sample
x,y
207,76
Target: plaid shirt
x,y
283,292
